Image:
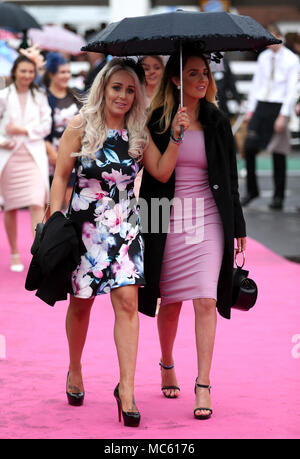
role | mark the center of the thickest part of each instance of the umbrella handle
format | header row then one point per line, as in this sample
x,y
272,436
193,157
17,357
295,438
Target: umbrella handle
x,y
181,133
181,91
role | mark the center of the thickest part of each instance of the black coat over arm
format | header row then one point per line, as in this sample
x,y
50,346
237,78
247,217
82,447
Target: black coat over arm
x,y
223,181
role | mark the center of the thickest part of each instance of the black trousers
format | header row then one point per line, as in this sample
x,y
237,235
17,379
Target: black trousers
x,y
260,131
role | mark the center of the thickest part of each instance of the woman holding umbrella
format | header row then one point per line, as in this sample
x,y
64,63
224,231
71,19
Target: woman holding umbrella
x,y
109,134
193,258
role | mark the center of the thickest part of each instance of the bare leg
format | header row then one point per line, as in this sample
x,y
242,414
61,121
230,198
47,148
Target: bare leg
x,y
167,323
126,333
77,323
36,216
10,223
205,328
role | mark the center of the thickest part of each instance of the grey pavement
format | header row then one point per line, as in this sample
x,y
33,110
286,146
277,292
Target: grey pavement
x,y
279,230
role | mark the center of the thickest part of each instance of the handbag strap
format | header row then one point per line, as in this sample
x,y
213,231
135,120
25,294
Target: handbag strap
x,y
235,258
46,211
70,202
69,206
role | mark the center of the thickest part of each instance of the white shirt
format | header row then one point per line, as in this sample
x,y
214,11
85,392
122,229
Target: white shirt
x,y
275,80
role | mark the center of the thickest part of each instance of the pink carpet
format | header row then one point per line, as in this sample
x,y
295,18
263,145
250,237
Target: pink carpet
x,y
255,378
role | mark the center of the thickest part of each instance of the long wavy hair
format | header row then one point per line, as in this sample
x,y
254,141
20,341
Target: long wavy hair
x,y
93,111
167,94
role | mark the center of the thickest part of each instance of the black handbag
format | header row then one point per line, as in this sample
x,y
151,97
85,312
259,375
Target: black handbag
x,y
244,289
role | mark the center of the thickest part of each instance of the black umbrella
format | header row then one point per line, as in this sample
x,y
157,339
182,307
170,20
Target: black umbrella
x,y
166,33
16,18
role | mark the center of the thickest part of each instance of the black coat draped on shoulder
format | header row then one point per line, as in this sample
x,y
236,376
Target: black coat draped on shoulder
x,y
54,259
223,182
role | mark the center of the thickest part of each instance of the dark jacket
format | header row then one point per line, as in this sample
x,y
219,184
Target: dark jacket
x,y
223,181
92,74
54,260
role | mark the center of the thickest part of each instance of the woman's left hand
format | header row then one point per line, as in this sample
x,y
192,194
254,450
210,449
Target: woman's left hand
x,y
241,244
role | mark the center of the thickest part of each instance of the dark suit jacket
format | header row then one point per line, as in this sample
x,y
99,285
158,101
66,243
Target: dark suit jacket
x,y
55,258
92,75
223,180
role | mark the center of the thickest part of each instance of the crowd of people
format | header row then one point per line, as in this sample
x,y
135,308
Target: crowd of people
x,y
124,134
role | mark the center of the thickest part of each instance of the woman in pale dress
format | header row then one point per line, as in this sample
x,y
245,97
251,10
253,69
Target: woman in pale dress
x,y
25,119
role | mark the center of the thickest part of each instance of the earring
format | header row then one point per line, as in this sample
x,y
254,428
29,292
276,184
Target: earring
x,y
178,87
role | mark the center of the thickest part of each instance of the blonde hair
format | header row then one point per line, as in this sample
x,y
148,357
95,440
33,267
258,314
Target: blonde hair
x,y
167,94
93,113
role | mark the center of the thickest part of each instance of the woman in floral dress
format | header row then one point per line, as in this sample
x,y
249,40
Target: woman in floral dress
x,y
108,143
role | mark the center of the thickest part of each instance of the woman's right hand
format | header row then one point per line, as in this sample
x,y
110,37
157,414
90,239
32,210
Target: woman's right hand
x,y
8,144
181,119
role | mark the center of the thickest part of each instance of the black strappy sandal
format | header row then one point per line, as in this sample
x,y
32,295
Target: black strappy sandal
x,y
166,367
202,416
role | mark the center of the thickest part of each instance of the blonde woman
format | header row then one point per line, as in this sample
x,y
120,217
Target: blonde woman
x,y
192,258
112,144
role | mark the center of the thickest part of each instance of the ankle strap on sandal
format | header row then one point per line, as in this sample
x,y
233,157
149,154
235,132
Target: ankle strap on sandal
x,y
204,386
166,367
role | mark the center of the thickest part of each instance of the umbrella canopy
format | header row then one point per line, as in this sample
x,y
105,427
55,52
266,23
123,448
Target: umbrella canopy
x,y
164,33
16,18
55,38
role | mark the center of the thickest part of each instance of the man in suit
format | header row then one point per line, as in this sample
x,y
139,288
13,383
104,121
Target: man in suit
x,y
271,101
97,62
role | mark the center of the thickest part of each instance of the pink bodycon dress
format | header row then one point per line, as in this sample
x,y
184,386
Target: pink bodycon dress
x,y
195,241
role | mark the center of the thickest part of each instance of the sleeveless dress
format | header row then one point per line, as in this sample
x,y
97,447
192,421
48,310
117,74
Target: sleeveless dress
x,y
22,183
195,241
104,206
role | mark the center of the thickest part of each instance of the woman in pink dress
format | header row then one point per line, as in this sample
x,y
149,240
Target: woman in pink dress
x,y
25,119
189,252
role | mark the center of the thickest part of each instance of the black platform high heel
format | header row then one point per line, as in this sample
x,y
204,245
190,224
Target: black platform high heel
x,y
131,419
74,398
202,416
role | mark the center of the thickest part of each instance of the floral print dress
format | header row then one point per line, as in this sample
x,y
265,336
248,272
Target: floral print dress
x,y
103,204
